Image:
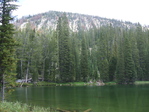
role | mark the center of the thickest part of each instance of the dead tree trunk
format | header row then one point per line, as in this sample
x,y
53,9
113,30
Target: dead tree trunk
x,y
3,88
27,72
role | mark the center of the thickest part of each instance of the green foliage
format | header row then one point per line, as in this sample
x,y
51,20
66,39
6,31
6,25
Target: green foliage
x,y
141,82
142,52
64,49
130,73
120,68
79,53
23,84
43,83
84,61
7,43
7,46
112,68
103,62
135,56
110,83
73,59
19,107
28,53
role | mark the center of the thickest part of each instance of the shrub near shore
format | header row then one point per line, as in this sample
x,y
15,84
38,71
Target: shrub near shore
x,y
19,107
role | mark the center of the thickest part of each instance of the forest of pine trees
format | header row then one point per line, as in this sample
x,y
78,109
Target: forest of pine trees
x,y
108,53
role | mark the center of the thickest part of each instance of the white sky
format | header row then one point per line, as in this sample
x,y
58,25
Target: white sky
x,y
126,10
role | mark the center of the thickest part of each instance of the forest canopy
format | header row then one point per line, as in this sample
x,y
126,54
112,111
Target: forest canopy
x,y
108,53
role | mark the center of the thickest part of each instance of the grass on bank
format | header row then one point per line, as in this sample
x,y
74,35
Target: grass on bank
x,y
68,84
19,107
136,83
43,83
63,84
110,83
141,82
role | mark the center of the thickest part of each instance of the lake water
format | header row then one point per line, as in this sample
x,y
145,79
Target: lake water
x,y
117,98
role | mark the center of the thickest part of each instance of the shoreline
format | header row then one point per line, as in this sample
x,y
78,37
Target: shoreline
x,y
43,83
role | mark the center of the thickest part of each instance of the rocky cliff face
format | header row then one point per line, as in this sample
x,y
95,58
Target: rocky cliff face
x,y
49,19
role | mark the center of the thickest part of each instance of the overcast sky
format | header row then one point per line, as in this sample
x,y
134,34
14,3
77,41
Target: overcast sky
x,y
126,10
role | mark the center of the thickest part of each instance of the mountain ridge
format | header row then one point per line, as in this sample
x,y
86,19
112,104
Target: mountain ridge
x,y
48,20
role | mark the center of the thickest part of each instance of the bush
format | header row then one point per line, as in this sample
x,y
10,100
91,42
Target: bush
x,y
19,107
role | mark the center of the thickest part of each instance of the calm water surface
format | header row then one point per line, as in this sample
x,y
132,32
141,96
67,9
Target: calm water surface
x,y
118,98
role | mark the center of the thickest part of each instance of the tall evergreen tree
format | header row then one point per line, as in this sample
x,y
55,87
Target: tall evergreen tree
x,y
103,63
64,48
135,54
112,68
52,60
73,59
141,48
7,45
84,61
130,73
77,56
120,68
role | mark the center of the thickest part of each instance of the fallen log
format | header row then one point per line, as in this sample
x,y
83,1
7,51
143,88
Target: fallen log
x,y
88,110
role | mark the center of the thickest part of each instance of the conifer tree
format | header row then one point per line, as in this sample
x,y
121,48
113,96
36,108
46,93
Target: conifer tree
x,y
64,48
52,59
147,65
120,66
142,55
103,63
7,45
84,61
73,59
135,55
112,68
130,74
77,56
